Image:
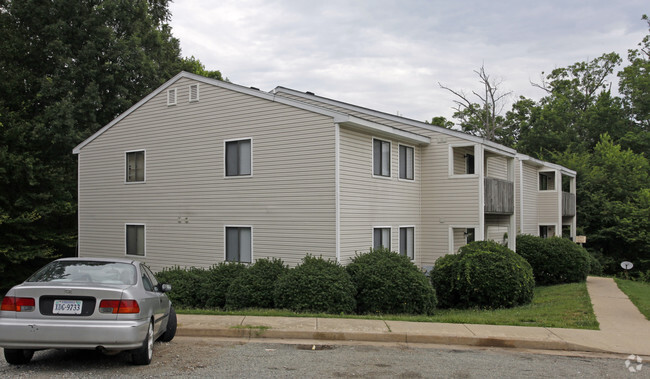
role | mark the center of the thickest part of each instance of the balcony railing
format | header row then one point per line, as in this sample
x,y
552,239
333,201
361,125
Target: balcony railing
x,y
499,196
568,204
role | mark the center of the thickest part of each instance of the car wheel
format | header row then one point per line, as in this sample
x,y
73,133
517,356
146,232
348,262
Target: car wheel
x,y
18,356
170,331
143,354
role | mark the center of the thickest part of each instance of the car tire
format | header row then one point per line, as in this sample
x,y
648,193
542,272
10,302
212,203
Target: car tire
x,y
18,356
170,331
143,354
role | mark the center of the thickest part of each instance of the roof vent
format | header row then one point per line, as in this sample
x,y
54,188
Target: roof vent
x,y
171,96
255,88
310,93
194,93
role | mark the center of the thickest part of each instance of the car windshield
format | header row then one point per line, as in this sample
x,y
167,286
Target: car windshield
x,y
86,271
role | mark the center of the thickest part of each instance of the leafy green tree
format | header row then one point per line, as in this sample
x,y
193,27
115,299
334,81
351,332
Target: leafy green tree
x,y
68,67
613,201
195,66
635,81
441,121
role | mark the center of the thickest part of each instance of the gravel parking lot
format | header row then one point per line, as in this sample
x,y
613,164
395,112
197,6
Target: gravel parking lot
x,y
211,357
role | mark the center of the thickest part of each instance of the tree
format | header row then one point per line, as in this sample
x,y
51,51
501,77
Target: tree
x,y
442,122
195,66
613,201
635,82
67,68
484,118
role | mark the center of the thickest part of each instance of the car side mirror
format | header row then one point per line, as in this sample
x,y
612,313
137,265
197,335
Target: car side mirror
x,y
165,287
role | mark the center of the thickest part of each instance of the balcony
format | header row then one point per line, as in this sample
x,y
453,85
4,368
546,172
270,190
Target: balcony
x,y
499,196
568,204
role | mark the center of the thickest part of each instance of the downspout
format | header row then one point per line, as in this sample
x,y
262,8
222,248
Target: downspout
x,y
337,184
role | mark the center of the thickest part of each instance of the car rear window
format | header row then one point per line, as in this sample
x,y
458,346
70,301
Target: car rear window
x,y
86,271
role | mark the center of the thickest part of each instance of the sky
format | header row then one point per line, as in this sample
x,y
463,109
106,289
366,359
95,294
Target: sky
x,y
392,56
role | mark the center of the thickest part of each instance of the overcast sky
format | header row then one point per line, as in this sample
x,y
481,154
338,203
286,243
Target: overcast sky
x,y
390,55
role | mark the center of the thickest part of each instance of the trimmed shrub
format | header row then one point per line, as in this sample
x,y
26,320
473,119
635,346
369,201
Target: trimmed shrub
x,y
219,278
186,285
483,274
595,267
387,282
316,285
254,287
554,260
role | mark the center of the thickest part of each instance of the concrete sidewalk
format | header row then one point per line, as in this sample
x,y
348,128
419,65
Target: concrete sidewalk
x,y
623,328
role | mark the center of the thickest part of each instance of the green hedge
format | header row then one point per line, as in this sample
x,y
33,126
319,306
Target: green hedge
x,y
254,286
483,274
218,281
316,285
555,260
186,286
387,282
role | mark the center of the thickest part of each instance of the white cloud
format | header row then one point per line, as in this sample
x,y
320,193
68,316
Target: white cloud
x,y
390,55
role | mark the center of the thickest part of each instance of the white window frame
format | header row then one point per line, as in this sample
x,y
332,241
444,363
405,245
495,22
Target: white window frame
x,y
554,225
189,95
390,158
390,229
225,243
451,235
399,240
539,182
450,160
399,162
126,241
126,167
225,158
169,92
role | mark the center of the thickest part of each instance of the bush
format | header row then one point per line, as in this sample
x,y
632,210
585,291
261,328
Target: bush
x,y
186,284
595,267
219,277
483,274
254,287
316,285
554,260
387,282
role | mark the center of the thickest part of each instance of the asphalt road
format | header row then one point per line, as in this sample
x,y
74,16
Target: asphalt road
x,y
209,357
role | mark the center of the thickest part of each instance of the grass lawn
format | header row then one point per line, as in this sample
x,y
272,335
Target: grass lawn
x,y
560,306
638,292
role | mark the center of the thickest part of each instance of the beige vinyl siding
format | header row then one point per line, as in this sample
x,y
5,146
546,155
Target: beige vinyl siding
x,y
530,200
289,201
496,226
445,201
548,208
367,201
496,166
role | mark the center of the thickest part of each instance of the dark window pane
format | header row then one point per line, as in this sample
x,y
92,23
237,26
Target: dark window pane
x,y
232,158
232,244
135,240
376,151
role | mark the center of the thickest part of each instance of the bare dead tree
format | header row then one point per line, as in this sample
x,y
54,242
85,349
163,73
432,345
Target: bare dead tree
x,y
489,109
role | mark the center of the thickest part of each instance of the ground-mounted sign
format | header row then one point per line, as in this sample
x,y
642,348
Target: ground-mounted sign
x,y
627,265
581,239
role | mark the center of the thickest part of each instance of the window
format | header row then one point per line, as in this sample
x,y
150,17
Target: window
x,y
405,162
543,231
194,93
148,279
381,238
547,181
135,166
238,158
135,240
171,96
407,241
381,157
239,244
470,235
469,164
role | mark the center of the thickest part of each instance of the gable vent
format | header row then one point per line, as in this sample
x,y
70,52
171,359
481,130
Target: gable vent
x,y
171,96
194,92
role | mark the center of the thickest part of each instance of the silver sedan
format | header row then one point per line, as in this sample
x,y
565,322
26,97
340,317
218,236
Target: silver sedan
x,y
87,303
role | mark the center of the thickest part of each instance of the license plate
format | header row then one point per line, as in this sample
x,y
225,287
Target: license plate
x,y
67,307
